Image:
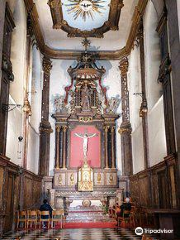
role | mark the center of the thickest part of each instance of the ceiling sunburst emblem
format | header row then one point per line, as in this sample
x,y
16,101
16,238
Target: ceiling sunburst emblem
x,y
85,8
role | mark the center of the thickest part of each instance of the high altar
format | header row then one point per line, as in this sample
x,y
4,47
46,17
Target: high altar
x,y
85,159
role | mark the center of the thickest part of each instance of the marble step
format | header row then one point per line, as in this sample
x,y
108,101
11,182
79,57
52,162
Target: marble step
x,y
88,217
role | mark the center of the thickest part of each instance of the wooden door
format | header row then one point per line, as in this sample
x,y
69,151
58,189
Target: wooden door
x,y
9,203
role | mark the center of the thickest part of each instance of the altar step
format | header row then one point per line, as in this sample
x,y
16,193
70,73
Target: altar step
x,y
88,217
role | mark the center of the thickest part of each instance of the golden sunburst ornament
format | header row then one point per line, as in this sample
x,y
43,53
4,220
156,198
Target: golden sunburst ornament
x,y
85,8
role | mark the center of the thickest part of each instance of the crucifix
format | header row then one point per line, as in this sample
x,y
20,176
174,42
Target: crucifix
x,y
85,136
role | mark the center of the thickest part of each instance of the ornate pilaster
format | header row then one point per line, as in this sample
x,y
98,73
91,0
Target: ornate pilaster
x,y
143,108
45,127
6,71
45,93
165,78
169,77
125,129
64,145
106,129
57,162
113,146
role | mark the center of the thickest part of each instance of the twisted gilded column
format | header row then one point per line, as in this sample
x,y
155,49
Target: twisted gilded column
x,y
113,146
125,128
106,128
45,126
64,145
57,162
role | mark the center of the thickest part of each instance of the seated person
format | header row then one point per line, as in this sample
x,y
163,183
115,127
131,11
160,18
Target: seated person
x,y
126,206
46,207
117,209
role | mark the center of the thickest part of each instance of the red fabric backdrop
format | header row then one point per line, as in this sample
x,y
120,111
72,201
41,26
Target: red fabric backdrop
x,y
76,150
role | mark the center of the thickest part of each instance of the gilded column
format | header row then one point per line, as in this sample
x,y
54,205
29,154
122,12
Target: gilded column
x,y
106,128
64,145
45,126
125,128
113,146
57,162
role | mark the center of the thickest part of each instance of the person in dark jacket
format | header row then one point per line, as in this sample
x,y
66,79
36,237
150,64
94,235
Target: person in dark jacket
x,y
46,207
126,206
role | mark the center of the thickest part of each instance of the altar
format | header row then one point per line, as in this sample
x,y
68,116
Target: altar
x,y
85,154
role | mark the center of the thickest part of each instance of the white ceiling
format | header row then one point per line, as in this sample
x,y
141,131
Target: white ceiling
x,y
57,39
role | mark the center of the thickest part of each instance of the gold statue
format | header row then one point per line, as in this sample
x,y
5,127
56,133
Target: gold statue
x,y
72,179
111,179
98,178
60,179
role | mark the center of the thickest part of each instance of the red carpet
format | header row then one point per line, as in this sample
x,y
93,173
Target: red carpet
x,y
90,225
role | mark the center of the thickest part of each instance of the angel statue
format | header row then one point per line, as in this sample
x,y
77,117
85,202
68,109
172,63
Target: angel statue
x,y
113,104
59,104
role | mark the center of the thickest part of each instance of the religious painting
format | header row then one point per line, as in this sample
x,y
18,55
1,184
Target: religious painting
x,y
85,146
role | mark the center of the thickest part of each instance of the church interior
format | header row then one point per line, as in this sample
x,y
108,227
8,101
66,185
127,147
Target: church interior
x,y
90,119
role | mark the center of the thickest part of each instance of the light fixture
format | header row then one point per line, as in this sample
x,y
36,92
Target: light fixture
x,y
19,151
10,107
143,109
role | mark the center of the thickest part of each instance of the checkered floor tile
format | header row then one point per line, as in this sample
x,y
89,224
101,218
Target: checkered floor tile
x,y
73,234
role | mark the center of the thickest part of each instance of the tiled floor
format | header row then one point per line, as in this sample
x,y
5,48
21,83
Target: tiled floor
x,y
74,234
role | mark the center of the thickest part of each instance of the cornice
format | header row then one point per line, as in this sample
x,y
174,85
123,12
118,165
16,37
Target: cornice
x,y
69,54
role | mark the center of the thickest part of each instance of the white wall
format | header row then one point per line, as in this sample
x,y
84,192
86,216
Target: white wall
x,y
178,10
60,78
18,59
134,80
152,55
23,71
156,126
134,85
14,130
157,138
18,53
138,149
36,98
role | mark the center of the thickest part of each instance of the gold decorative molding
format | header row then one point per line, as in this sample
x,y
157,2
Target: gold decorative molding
x,y
102,55
45,127
124,64
125,127
64,128
58,128
124,130
85,119
47,65
106,128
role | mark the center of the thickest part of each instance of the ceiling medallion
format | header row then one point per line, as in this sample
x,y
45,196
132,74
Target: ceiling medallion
x,y
85,8
85,18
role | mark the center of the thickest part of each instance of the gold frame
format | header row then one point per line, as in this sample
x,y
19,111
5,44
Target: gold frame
x,y
102,55
60,23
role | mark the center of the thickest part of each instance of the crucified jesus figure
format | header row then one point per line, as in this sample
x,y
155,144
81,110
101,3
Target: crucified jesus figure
x,y
85,136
